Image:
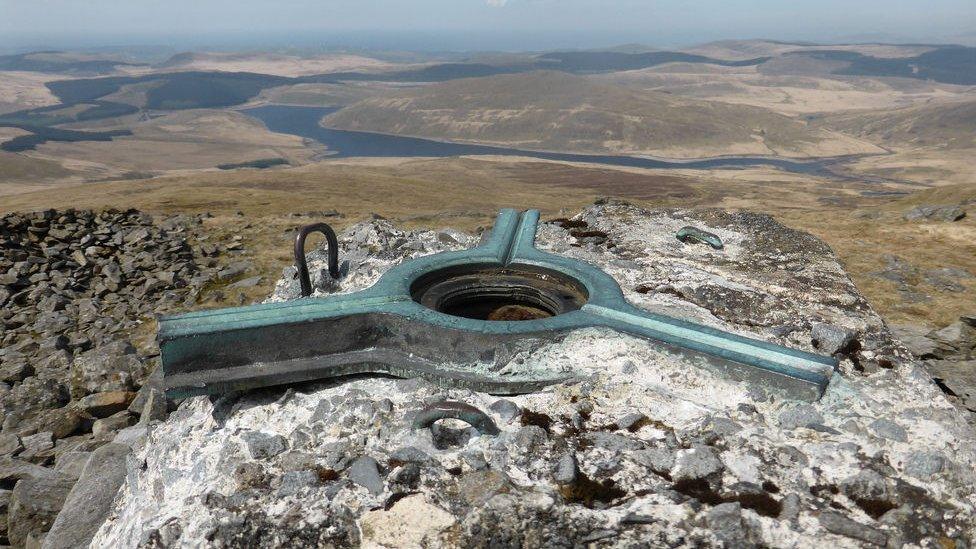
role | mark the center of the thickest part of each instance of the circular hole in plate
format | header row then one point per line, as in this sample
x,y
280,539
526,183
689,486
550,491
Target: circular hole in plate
x,y
511,293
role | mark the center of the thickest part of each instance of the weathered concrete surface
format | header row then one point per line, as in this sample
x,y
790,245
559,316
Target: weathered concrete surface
x,y
662,452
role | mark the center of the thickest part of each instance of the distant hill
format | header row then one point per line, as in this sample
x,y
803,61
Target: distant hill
x,y
604,61
548,110
171,91
745,49
61,63
271,63
948,125
949,64
945,64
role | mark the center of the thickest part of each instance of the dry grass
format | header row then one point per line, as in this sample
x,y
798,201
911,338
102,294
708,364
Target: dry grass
x,y
789,94
466,193
862,245
22,173
930,166
25,90
198,139
418,193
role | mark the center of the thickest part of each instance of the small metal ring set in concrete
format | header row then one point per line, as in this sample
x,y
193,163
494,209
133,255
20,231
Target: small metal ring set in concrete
x,y
454,319
455,410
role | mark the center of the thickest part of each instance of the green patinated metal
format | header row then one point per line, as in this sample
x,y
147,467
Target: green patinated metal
x,y
455,410
383,329
694,234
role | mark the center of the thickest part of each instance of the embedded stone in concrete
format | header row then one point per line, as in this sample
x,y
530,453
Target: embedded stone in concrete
x,y
365,472
264,445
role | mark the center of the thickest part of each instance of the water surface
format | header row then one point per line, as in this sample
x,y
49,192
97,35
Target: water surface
x,y
304,122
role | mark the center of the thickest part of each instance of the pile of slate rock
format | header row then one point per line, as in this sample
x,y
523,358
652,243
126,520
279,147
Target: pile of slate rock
x,y
75,286
949,353
642,447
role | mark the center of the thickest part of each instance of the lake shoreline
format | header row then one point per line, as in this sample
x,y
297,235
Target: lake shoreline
x,y
305,122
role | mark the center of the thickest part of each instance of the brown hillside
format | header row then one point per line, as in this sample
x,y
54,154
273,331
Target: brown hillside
x,y
947,125
556,111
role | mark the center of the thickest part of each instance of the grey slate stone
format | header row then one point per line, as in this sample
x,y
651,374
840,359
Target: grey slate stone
x,y
263,445
153,382
924,212
629,420
614,442
699,462
843,526
294,482
236,268
111,367
249,282
657,459
803,415
915,339
506,409
335,455
10,444
790,507
865,485
725,522
365,472
37,447
567,469
13,470
475,459
407,476
131,436
410,454
113,423
34,504
155,408
885,428
923,465
830,339
384,405
72,463
90,500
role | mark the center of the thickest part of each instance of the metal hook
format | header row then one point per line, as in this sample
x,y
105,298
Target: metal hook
x,y
302,265
455,410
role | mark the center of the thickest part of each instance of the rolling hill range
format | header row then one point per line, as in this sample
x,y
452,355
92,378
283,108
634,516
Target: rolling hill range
x,y
556,111
603,61
949,64
59,62
270,63
945,125
745,49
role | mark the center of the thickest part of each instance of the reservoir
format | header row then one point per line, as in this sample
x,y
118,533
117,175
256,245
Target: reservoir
x,y
304,122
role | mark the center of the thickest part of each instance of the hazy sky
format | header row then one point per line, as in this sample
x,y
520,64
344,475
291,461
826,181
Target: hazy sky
x,y
501,24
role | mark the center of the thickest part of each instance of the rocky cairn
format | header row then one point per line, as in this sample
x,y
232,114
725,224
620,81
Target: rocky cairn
x,y
641,448
75,286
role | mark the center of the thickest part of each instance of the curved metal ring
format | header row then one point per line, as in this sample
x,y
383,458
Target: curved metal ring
x,y
455,410
302,265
